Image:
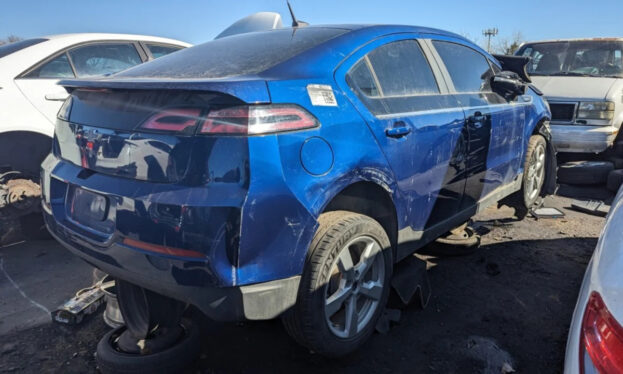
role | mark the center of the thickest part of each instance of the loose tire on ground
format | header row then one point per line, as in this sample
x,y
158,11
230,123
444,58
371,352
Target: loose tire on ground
x,y
171,360
312,321
584,172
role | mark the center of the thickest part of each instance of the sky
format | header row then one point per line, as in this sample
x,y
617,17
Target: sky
x,y
197,21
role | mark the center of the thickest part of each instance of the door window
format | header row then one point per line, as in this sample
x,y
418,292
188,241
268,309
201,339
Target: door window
x,y
104,58
394,78
159,50
468,69
57,68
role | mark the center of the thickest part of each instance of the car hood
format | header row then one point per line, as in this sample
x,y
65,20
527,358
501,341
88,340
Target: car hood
x,y
592,88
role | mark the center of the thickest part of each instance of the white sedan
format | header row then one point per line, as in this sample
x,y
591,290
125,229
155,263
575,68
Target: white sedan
x,y
30,98
595,343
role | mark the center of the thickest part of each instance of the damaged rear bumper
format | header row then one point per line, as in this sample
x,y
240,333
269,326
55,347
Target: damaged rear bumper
x,y
178,279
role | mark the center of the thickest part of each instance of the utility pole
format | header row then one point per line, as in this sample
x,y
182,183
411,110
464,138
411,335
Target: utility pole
x,y
489,33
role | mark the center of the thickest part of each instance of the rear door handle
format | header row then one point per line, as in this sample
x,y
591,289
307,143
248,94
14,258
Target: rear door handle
x,y
398,131
477,119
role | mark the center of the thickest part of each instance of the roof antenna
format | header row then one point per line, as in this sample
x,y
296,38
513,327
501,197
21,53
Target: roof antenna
x,y
295,22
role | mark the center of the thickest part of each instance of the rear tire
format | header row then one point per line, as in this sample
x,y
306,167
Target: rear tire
x,y
347,273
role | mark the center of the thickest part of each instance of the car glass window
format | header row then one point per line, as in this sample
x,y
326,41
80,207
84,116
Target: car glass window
x,y
105,58
161,50
595,58
7,49
360,78
57,68
402,69
249,53
468,69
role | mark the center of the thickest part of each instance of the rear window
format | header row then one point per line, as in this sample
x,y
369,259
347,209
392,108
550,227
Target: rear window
x,y
7,49
241,54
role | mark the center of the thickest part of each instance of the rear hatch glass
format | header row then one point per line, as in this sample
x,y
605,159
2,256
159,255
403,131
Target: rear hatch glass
x,y
244,54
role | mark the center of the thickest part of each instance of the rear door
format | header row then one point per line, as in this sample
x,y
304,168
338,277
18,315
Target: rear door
x,y
495,126
417,123
40,84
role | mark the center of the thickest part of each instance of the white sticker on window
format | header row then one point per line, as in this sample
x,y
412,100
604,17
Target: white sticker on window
x,y
321,95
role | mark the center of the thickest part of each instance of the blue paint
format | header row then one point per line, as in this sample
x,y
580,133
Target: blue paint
x,y
244,209
316,156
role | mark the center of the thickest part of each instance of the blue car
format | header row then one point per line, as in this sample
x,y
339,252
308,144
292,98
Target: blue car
x,y
284,173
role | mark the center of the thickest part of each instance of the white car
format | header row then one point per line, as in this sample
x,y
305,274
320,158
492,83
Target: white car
x,y
30,97
582,80
595,343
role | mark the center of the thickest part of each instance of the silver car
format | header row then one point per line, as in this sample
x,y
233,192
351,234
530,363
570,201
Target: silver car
x,y
582,80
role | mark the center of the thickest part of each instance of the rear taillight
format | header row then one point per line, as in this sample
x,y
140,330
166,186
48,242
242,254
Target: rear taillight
x,y
258,119
173,120
601,339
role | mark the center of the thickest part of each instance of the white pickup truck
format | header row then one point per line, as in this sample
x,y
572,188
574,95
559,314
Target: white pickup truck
x,y
582,80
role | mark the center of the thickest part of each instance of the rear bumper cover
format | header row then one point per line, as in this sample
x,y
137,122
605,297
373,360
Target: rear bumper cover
x,y
583,139
258,301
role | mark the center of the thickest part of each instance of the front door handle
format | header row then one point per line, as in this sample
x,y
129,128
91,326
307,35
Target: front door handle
x,y
399,130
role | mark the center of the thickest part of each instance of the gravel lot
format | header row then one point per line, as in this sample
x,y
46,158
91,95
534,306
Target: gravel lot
x,y
509,302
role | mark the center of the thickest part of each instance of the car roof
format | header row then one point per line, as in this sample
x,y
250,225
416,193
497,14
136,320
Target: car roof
x,y
615,39
84,37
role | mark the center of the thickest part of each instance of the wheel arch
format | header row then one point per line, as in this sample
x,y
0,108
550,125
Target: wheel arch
x,y
24,151
370,199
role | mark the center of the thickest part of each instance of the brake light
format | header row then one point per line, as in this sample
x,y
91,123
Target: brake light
x,y
258,119
173,120
601,339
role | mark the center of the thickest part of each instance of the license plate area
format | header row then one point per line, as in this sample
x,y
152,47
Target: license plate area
x,y
87,208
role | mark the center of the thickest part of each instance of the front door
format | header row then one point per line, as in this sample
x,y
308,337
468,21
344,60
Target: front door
x,y
495,127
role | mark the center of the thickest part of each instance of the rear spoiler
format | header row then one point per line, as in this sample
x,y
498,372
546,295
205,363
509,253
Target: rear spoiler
x,y
250,91
516,64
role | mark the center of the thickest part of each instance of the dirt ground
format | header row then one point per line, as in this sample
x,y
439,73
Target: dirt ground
x,y
510,303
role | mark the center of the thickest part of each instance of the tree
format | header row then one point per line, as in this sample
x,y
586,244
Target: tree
x,y
10,39
508,46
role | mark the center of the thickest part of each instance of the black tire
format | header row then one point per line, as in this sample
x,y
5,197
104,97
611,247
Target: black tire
x,y
522,200
306,321
171,360
584,172
615,179
617,162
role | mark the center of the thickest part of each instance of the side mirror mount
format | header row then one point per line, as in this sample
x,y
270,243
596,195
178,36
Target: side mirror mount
x,y
508,85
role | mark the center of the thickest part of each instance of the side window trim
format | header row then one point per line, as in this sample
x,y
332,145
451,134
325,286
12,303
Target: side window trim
x,y
146,43
366,59
442,70
37,65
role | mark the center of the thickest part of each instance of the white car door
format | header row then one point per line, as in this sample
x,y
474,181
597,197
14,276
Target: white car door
x,y
40,85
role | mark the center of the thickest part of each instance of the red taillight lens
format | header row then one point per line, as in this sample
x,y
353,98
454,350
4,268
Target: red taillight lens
x,y
173,120
601,339
258,119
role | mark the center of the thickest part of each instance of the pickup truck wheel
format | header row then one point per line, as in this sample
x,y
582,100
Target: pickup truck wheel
x,y
345,284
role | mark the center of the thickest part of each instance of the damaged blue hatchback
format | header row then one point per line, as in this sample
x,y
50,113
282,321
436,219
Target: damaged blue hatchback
x,y
284,173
